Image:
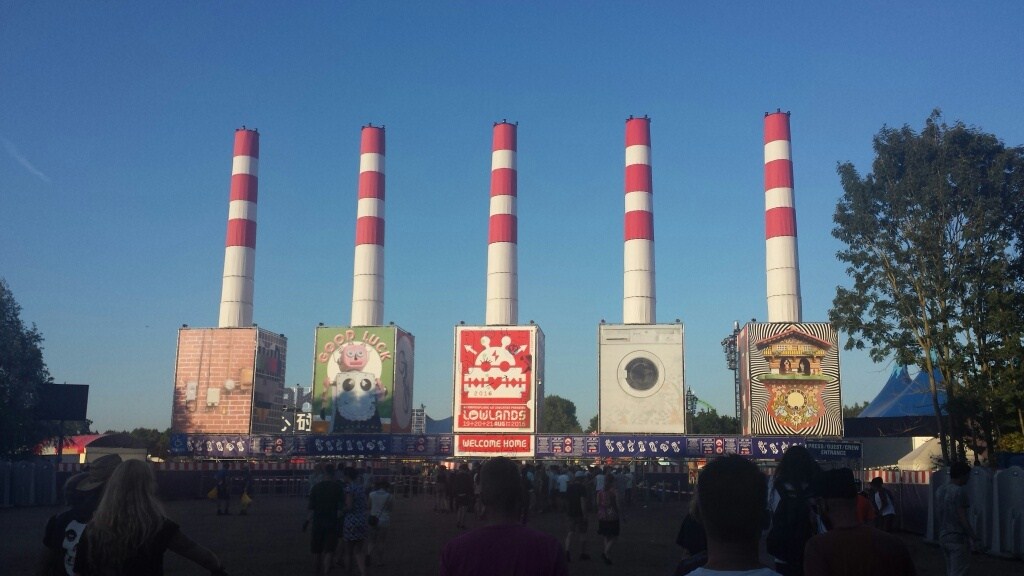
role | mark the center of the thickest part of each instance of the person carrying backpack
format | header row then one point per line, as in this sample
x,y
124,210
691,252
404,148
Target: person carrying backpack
x,y
794,520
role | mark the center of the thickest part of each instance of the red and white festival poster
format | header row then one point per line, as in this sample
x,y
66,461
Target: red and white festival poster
x,y
494,379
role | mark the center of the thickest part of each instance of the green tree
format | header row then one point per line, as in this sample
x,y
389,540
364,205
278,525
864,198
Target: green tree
x,y
933,246
559,416
22,370
710,422
156,442
594,423
855,410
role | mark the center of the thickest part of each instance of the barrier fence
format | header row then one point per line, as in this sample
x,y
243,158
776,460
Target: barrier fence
x,y
38,483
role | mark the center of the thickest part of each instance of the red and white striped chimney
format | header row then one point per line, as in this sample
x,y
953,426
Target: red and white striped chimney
x,y
638,303
368,277
781,258
240,246
502,256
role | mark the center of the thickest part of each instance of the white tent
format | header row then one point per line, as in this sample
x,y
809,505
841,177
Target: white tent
x,y
925,457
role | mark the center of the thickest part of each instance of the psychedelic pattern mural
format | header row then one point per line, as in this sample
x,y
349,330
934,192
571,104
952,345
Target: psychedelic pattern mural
x,y
790,379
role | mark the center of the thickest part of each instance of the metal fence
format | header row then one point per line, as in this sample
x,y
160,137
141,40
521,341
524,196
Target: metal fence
x,y
27,484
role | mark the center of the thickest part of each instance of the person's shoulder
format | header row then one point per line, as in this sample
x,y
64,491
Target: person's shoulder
x,y
763,571
168,530
891,540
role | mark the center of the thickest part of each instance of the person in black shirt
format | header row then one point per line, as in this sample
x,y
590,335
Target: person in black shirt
x,y
325,500
82,492
463,487
694,542
576,512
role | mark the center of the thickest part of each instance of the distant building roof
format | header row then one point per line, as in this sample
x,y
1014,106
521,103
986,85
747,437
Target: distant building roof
x,y
78,444
72,444
794,333
117,440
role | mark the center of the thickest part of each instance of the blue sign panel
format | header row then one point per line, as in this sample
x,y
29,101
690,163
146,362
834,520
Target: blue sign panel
x,y
643,446
547,446
280,446
421,445
220,446
710,446
834,450
574,445
361,445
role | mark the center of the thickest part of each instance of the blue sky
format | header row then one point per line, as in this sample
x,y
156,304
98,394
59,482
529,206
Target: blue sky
x,y
117,121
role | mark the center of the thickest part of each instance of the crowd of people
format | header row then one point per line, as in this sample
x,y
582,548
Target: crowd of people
x,y
810,521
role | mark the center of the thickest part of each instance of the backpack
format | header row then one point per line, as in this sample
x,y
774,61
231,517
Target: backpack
x,y
793,524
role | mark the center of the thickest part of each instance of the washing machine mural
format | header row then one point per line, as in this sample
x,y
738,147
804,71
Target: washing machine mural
x,y
641,386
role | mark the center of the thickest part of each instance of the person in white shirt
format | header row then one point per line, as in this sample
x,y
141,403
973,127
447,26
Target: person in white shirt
x,y
885,507
381,502
563,485
599,480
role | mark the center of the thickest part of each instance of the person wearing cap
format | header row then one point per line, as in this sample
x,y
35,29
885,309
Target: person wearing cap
x,y
850,546
83,493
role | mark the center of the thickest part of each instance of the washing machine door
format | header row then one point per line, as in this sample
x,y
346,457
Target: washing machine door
x,y
641,374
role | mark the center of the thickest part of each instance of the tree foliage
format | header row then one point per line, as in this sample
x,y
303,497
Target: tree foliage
x,y
933,245
855,410
22,370
710,422
559,416
157,442
593,425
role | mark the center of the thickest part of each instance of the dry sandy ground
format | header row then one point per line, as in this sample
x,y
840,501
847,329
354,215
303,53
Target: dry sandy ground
x,y
269,541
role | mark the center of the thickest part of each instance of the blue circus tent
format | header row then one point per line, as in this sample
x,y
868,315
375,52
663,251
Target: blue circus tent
x,y
903,408
442,426
905,396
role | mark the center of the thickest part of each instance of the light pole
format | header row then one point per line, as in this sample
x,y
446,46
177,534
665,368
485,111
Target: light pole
x,y
691,408
729,346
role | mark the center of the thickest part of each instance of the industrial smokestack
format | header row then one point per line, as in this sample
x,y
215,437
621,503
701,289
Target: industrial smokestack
x,y
638,303
502,258
240,245
368,277
781,258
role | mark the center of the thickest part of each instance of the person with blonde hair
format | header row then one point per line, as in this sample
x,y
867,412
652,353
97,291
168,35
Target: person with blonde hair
x,y
130,531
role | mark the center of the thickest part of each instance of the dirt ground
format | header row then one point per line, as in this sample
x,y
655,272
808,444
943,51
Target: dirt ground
x,y
269,540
